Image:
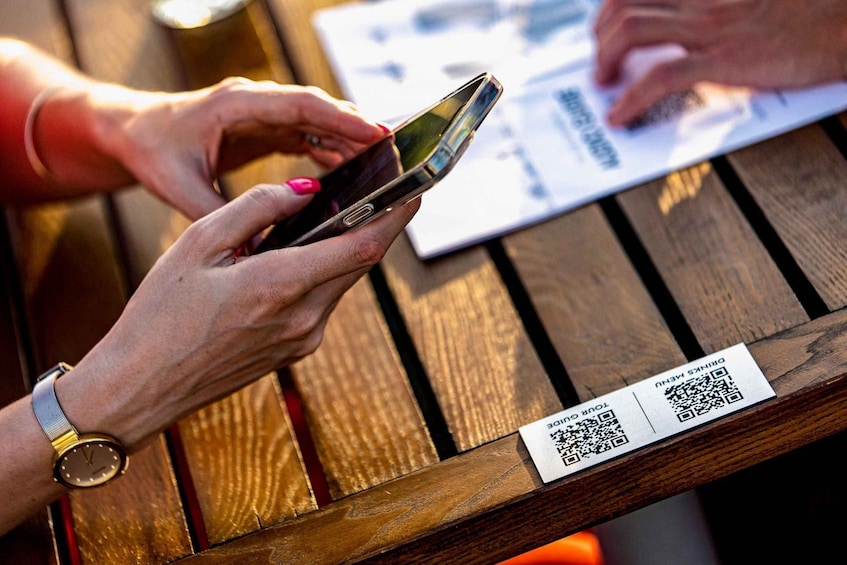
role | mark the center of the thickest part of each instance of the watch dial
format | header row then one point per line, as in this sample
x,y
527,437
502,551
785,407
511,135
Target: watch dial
x,y
90,463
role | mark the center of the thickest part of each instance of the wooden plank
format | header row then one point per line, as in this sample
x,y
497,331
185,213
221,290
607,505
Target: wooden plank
x,y
248,431
32,540
489,494
38,23
246,466
361,411
74,293
594,307
73,290
798,181
480,362
346,427
720,275
304,51
483,369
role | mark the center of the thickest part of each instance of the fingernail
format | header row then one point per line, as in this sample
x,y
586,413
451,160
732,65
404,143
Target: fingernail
x,y
384,128
304,185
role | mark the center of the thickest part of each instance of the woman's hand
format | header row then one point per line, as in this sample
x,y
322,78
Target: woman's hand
x,y
756,43
206,322
93,136
177,144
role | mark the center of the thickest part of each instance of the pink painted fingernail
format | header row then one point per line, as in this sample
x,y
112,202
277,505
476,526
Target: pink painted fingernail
x,y
304,185
384,128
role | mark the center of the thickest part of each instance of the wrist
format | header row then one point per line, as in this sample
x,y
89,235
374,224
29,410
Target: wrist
x,y
77,135
113,399
83,459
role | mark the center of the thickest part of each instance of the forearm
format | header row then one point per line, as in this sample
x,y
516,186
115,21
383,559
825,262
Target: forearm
x,y
76,133
26,483
93,396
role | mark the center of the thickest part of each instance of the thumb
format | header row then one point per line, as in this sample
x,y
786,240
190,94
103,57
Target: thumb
x,y
249,214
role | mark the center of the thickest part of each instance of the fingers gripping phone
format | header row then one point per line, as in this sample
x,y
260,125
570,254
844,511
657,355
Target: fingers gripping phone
x,y
392,171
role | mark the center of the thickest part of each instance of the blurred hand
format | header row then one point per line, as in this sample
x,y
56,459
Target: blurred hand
x,y
757,43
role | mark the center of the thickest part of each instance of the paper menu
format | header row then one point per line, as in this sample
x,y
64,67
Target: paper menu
x,y
545,148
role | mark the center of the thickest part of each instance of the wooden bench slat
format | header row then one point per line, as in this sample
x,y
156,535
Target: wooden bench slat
x,y
39,23
245,463
798,181
481,495
74,292
717,270
305,52
357,353
363,439
73,287
486,388
31,541
250,431
604,325
482,365
111,526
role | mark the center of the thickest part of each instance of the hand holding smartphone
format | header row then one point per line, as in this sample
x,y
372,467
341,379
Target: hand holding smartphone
x,y
392,171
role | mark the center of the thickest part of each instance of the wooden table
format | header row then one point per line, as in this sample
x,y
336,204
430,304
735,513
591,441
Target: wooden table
x,y
410,453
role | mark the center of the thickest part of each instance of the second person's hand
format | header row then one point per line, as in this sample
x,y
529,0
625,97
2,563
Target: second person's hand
x,y
757,43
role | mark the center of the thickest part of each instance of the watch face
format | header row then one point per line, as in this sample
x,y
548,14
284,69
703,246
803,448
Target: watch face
x,y
91,462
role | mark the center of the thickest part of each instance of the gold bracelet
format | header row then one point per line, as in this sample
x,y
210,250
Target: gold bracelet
x,y
29,141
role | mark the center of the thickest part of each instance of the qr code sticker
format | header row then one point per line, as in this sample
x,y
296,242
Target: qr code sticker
x,y
672,105
702,394
590,436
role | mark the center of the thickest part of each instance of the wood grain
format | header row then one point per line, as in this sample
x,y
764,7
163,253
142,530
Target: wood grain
x,y
482,366
73,289
594,307
32,540
798,181
304,51
474,508
480,362
362,439
247,470
395,503
244,460
350,461
360,408
719,274
485,387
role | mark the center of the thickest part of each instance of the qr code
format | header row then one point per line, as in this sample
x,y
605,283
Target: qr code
x,y
671,105
702,394
590,436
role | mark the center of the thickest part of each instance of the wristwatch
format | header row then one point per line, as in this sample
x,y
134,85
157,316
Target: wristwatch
x,y
82,460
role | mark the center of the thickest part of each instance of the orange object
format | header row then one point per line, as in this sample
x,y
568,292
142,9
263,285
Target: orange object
x,y
581,548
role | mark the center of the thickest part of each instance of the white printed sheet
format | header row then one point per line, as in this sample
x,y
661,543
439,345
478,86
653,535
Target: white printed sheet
x,y
545,148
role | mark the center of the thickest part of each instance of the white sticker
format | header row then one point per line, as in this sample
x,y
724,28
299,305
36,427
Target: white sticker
x,y
646,412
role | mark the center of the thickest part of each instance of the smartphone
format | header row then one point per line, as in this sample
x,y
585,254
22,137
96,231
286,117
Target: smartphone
x,y
392,171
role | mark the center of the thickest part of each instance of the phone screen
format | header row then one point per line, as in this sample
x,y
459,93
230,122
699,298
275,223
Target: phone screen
x,y
379,165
